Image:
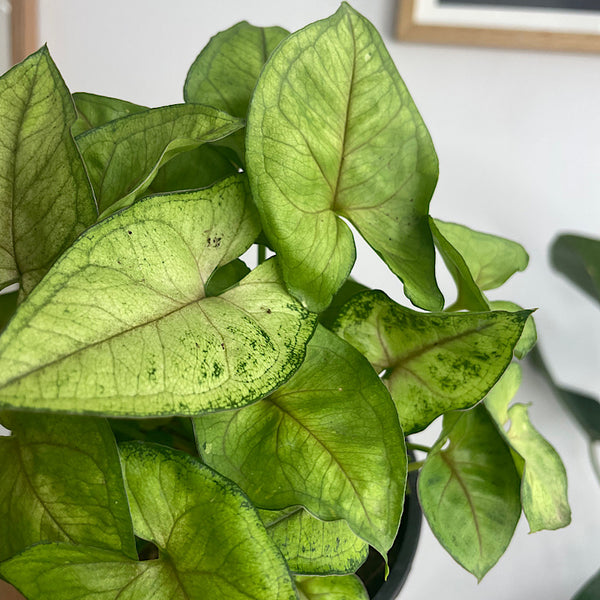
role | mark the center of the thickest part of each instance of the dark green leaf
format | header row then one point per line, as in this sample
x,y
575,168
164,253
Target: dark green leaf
x,y
211,543
578,258
314,547
333,132
192,170
124,156
94,110
345,587
591,590
226,276
137,281
544,479
469,491
61,480
328,440
435,362
8,306
45,196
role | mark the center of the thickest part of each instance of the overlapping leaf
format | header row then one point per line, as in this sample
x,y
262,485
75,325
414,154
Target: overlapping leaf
x,y
544,479
45,196
469,491
528,337
124,156
346,587
8,306
332,132
435,362
60,480
137,281
477,261
212,543
328,440
94,110
312,546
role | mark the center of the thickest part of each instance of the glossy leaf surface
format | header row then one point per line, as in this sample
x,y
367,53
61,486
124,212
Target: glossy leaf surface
x,y
328,440
123,156
333,132
578,258
45,196
490,259
544,479
137,280
94,110
435,362
312,546
346,587
469,491
211,542
61,480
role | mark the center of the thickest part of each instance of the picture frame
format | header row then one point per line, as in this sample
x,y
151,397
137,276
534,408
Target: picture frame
x,y
561,25
24,29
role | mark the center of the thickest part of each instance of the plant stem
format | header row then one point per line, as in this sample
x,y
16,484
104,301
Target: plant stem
x,y
416,465
411,446
262,253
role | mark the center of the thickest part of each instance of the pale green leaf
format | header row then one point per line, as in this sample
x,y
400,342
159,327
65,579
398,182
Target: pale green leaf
x,y
528,338
137,281
124,156
94,110
225,72
578,258
61,480
490,259
544,479
469,295
45,196
435,362
333,132
328,440
211,543
312,546
469,491
345,587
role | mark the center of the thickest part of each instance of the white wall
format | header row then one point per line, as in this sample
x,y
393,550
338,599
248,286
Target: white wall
x,y
4,35
518,136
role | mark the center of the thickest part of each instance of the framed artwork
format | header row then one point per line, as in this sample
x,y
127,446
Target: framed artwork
x,y
24,28
566,25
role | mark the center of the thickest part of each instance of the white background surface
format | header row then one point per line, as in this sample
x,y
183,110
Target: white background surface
x,y
518,136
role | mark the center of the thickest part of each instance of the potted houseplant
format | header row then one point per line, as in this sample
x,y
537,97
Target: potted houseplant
x,y
183,426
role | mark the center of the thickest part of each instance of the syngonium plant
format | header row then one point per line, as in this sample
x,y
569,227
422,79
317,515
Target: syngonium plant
x,y
185,427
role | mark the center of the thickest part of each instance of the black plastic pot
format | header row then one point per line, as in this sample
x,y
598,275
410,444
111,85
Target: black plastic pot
x,y
401,554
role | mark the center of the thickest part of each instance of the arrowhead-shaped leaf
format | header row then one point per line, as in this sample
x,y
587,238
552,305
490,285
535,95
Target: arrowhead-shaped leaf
x,y
211,543
469,491
123,156
544,479
333,132
311,546
328,440
477,261
61,480
45,196
578,258
137,280
224,74
436,362
94,110
345,587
